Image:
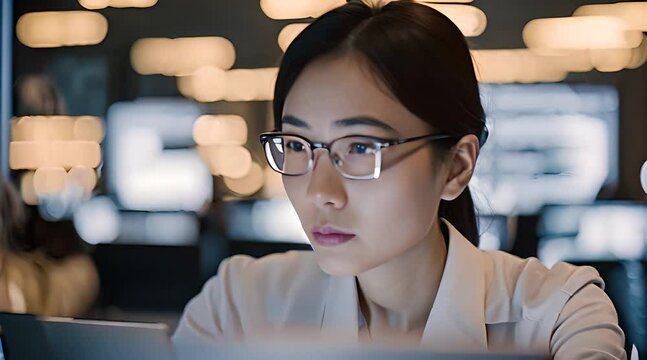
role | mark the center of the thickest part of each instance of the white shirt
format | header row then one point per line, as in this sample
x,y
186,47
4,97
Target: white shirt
x,y
486,301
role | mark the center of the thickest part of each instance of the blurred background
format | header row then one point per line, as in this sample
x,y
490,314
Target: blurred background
x,y
129,129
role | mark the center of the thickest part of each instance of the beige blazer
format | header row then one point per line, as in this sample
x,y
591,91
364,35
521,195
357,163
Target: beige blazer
x,y
486,301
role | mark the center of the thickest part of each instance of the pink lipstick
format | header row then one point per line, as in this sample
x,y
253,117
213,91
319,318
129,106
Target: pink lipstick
x,y
329,236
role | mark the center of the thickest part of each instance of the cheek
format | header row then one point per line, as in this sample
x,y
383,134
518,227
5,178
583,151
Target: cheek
x,y
296,188
404,201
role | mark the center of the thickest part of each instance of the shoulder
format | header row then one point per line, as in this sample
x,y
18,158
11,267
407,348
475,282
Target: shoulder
x,y
272,277
588,323
526,289
275,271
564,307
249,295
529,307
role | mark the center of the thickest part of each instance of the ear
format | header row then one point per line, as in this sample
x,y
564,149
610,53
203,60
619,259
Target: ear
x,y
460,165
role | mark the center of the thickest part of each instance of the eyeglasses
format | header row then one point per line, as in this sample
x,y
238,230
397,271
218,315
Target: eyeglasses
x,y
356,157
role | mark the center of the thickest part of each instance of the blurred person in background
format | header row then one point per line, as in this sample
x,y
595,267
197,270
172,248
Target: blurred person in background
x,y
379,126
43,266
36,94
39,273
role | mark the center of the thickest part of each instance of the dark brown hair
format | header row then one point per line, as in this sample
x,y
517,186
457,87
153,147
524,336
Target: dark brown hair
x,y
22,230
12,215
421,57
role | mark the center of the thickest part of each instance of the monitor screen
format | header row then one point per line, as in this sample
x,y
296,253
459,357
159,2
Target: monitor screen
x,y
602,230
548,144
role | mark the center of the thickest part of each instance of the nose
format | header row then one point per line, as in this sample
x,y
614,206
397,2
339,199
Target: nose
x,y
326,187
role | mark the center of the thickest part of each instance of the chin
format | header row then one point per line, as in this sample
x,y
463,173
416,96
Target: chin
x,y
336,266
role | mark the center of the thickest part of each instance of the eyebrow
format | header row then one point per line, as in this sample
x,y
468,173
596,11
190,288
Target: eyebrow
x,y
347,122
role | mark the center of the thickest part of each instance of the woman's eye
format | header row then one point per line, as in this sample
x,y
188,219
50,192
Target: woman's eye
x,y
359,148
295,146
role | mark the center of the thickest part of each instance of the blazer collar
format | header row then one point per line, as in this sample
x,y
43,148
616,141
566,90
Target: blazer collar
x,y
340,318
457,318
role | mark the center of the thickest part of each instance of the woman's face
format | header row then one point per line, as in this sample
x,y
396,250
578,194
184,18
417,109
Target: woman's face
x,y
388,215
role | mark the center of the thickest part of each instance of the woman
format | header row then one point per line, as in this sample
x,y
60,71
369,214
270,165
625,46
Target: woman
x,y
389,96
39,278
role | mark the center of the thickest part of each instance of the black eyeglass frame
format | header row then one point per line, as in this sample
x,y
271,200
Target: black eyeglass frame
x,y
379,143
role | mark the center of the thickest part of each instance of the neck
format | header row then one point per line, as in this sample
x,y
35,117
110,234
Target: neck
x,y
400,293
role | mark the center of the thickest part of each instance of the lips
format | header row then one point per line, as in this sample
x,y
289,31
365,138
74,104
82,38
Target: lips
x,y
330,236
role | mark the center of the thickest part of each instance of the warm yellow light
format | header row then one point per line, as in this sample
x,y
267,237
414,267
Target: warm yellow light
x,y
291,9
185,85
445,1
212,84
95,4
61,28
49,180
604,60
220,130
52,180
249,184
101,4
88,128
241,85
610,60
132,3
194,53
29,155
232,161
289,33
579,33
634,14
251,84
17,133
77,153
153,56
83,177
638,55
204,152
59,127
42,128
515,65
27,190
208,84
67,154
181,56
571,60
469,19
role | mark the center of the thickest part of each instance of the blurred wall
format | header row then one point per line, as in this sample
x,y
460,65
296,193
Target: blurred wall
x,y
106,69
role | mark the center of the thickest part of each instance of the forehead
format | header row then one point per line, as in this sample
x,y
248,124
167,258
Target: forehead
x,y
344,87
